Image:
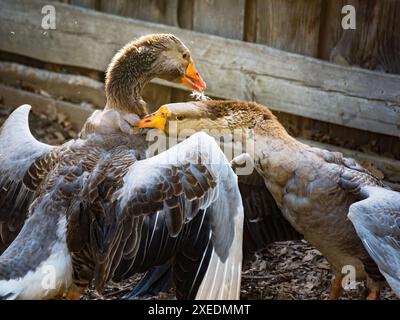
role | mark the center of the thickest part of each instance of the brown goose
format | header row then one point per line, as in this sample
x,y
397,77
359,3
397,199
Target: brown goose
x,y
305,182
92,201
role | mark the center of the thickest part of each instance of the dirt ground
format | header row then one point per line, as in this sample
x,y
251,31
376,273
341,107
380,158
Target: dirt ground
x,y
285,270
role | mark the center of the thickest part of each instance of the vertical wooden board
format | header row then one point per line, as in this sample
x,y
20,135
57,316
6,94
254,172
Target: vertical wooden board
x,y
290,25
331,27
374,44
90,4
358,47
220,17
250,21
185,14
178,95
156,95
160,11
116,7
388,48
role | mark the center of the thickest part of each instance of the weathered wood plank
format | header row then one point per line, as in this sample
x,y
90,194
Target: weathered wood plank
x,y
160,11
290,25
90,4
13,97
233,69
374,44
220,17
75,88
331,26
185,14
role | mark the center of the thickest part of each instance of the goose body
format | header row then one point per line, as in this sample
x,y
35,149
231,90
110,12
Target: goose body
x,y
101,197
304,181
110,194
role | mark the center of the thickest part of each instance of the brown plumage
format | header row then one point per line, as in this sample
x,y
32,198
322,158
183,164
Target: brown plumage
x,y
137,63
304,181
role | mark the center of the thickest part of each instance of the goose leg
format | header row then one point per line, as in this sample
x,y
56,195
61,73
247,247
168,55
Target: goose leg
x,y
336,287
74,292
375,294
374,289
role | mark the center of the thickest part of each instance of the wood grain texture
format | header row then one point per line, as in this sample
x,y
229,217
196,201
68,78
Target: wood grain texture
x,y
185,14
75,88
330,27
233,69
290,25
13,97
160,11
374,44
90,4
220,17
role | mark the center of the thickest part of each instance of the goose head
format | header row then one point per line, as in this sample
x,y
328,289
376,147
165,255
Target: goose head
x,y
153,56
211,115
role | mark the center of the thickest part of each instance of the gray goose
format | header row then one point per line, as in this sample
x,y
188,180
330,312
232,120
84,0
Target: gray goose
x,y
305,183
91,199
132,67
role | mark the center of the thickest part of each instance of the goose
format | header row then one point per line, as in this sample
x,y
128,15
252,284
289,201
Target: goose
x,y
305,184
97,206
131,68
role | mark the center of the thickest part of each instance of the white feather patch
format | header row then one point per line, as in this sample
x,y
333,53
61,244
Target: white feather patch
x,y
199,96
51,278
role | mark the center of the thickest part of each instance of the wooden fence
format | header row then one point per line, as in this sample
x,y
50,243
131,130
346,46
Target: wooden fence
x,y
308,27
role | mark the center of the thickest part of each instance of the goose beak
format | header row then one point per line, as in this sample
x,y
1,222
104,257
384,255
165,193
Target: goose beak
x,y
157,119
193,79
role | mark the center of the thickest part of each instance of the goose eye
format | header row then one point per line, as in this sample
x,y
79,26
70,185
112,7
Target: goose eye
x,y
180,118
185,55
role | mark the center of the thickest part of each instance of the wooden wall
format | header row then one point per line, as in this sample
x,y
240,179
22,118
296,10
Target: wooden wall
x,y
308,27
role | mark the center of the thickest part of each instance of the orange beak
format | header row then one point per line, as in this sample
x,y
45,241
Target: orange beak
x,y
157,119
193,79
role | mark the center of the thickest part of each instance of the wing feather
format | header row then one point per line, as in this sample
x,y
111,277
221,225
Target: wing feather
x,y
176,186
19,174
376,218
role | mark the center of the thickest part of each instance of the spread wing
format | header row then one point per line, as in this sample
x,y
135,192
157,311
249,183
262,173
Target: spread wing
x,y
376,218
263,224
18,151
176,185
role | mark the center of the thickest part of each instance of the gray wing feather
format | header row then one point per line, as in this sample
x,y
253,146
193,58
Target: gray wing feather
x,y
376,219
222,196
18,150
